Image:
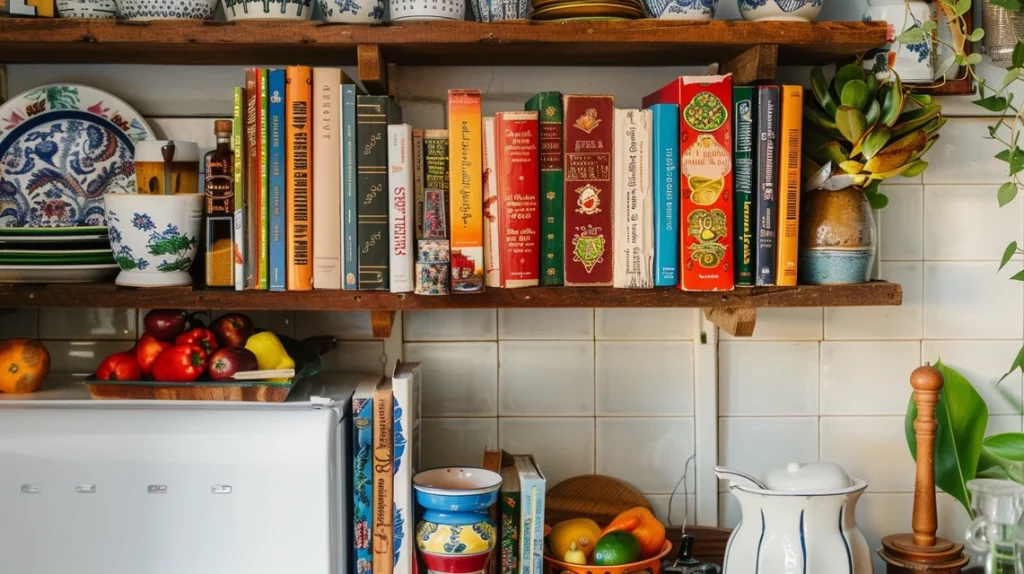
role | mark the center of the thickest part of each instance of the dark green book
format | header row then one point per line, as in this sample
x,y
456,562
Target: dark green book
x,y
373,114
744,116
548,106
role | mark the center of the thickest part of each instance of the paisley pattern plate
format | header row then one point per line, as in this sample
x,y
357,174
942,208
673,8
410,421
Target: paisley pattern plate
x,y
61,148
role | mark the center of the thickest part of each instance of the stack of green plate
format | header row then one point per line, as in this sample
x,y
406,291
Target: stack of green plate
x,y
587,9
55,254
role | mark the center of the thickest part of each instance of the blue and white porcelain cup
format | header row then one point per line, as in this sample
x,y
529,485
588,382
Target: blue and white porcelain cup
x,y
351,11
780,10
154,237
695,10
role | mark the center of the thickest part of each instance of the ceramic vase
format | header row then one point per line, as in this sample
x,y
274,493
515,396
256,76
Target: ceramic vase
x,y
167,9
87,8
913,62
837,237
154,237
455,534
780,10
412,10
268,9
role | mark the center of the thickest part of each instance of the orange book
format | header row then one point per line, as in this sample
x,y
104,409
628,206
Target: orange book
x,y
299,244
383,478
789,185
465,169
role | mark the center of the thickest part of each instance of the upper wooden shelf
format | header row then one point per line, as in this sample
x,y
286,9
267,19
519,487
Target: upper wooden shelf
x,y
441,43
106,295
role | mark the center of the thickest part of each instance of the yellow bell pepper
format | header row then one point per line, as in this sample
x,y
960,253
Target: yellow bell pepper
x,y
270,353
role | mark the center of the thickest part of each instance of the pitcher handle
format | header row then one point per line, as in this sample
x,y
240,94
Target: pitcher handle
x,y
976,538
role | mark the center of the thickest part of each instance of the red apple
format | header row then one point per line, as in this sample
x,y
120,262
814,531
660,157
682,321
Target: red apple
x,y
224,363
232,330
165,324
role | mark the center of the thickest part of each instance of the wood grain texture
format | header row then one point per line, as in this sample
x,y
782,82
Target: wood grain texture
x,y
756,64
876,293
645,42
373,70
737,321
927,383
256,393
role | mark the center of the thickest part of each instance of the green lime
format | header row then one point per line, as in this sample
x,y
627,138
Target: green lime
x,y
616,548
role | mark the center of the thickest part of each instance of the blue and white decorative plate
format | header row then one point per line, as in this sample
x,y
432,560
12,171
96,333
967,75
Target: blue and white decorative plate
x,y
62,147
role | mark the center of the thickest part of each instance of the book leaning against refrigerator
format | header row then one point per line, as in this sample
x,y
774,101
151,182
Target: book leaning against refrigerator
x,y
531,517
405,384
362,476
401,205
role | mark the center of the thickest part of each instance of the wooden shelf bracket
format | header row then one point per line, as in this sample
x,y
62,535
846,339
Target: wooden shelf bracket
x,y
381,322
755,64
737,321
373,70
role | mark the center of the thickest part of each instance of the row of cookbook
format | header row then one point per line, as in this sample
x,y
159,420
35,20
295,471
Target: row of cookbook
x,y
699,189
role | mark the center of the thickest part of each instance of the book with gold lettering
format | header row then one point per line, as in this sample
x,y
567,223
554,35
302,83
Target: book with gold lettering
x,y
517,176
373,114
253,142
383,536
465,154
300,195
548,106
788,231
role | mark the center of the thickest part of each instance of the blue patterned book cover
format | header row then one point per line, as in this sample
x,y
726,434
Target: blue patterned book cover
x,y
350,254
362,477
531,490
405,385
277,203
665,151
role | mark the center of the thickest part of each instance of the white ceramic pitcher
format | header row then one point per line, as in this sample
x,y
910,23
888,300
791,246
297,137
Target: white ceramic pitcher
x,y
800,519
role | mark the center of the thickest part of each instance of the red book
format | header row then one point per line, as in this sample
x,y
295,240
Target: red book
x,y
588,190
517,139
253,179
705,167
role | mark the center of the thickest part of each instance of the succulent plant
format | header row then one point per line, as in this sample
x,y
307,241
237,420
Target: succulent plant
x,y
868,130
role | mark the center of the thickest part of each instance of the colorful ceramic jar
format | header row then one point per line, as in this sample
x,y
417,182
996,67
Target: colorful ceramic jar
x,y
154,237
913,62
455,535
697,10
837,237
791,10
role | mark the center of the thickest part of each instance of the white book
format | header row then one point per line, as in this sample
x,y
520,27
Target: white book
x,y
402,220
406,387
492,246
326,211
633,201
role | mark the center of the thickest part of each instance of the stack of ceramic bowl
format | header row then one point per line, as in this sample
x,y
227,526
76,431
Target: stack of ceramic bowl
x,y
590,9
497,10
55,255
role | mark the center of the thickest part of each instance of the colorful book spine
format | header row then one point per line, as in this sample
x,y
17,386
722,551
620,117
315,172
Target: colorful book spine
x,y
665,171
406,387
589,148
277,257
791,136
532,486
417,180
432,273
633,240
362,477
401,206
465,163
511,517
383,479
238,146
518,181
348,170
252,178
548,106
767,178
300,196
264,197
492,245
744,119
326,150
705,167
373,115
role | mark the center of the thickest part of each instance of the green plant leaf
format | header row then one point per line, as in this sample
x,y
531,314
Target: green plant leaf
x,y
1006,193
819,87
1013,157
992,103
976,35
1018,363
915,168
1018,50
921,99
851,167
873,113
927,146
835,152
872,83
851,123
935,124
845,74
897,153
855,94
961,415
818,118
1008,253
962,6
973,59
913,35
929,26
878,200
1007,446
892,104
875,140
914,119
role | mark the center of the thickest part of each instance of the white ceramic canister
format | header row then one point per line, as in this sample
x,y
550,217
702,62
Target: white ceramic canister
x,y
913,62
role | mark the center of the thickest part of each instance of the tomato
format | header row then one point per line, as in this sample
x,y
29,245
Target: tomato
x,y
179,364
119,367
147,350
198,336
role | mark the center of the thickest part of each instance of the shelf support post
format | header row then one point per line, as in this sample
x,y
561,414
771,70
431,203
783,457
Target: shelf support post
x,y
373,71
3,83
381,323
737,321
753,65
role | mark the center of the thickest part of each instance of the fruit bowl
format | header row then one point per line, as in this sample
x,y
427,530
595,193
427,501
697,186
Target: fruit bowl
x,y
650,565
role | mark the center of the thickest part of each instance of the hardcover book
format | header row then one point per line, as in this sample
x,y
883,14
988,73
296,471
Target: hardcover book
x,y
492,259
705,166
517,151
264,197
466,170
767,201
588,190
432,273
300,196
633,205
789,185
744,119
532,487
277,253
373,115
238,136
252,178
665,170
417,180
511,518
406,387
548,106
327,188
400,210
350,232
362,476
383,478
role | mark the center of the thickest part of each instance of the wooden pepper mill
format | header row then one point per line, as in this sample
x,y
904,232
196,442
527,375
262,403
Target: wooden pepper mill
x,y
922,551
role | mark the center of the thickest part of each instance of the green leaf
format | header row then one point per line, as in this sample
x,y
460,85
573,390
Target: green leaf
x,y
878,200
1014,158
976,35
873,112
915,119
875,140
962,6
913,35
929,26
851,167
897,153
921,99
851,123
845,74
992,103
1008,253
1006,193
892,103
915,169
1018,50
1007,446
934,125
835,152
961,415
818,118
855,94
1018,362
819,87
1011,75
973,59
872,83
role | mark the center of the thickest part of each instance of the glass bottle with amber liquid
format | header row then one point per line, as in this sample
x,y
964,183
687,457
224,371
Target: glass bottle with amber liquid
x,y
220,209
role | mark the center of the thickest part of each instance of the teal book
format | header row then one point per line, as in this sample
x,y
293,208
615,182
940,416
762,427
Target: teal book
x,y
532,487
745,118
548,106
264,215
350,235
665,155
277,204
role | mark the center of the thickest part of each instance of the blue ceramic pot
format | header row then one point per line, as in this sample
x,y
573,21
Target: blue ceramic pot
x,y
455,535
835,266
699,10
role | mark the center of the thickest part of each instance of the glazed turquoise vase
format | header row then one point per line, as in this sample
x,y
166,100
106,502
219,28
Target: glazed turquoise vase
x,y
455,535
837,237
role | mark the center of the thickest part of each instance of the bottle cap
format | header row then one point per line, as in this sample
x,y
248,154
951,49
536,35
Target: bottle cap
x,y
222,127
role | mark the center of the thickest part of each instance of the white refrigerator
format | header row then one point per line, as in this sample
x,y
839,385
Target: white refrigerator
x,y
178,487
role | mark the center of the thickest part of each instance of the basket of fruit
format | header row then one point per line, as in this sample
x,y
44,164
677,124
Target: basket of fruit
x,y
633,542
177,358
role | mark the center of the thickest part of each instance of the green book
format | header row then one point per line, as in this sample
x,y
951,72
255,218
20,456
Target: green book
x,y
744,100
265,180
548,106
238,170
510,519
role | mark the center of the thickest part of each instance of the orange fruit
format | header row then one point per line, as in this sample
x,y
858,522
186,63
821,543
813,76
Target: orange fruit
x,y
24,364
642,524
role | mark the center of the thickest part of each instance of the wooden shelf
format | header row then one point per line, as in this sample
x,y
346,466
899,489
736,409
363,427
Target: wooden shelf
x,y
442,43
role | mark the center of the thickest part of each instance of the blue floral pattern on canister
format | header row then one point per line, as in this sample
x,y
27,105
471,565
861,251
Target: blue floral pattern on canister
x,y
787,6
352,11
689,9
174,247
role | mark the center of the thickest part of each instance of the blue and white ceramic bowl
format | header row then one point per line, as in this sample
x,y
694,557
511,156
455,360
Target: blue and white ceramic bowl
x,y
351,11
166,9
412,10
87,8
268,9
697,10
456,489
497,10
154,237
781,10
